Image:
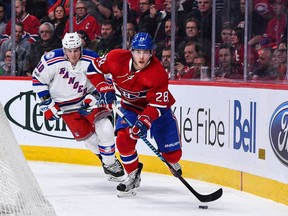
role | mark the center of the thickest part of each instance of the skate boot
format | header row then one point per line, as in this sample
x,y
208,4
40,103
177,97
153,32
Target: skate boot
x,y
114,172
130,184
177,168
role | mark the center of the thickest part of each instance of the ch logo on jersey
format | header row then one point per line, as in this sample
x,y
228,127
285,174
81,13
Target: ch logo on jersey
x,y
132,96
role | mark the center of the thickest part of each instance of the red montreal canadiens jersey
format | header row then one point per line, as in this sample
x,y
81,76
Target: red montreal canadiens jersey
x,y
30,24
88,24
146,88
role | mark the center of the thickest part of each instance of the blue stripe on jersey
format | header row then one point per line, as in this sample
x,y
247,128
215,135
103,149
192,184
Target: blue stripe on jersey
x,y
43,93
54,61
35,82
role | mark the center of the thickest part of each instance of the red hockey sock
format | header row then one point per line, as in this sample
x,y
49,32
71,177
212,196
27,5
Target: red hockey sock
x,y
173,157
126,148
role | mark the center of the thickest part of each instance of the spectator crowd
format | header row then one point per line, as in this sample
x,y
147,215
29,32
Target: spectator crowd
x,y
41,24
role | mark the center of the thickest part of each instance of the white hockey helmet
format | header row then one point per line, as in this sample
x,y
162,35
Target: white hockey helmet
x,y
71,41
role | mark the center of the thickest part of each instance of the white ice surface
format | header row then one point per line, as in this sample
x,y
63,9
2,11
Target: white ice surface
x,y
76,190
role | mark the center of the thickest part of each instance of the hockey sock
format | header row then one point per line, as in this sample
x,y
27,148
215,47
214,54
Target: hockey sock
x,y
172,157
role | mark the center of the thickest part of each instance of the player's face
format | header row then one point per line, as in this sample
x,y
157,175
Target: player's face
x,y
140,58
73,55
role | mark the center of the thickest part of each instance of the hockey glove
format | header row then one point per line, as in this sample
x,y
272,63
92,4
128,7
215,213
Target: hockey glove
x,y
50,109
107,94
140,128
88,102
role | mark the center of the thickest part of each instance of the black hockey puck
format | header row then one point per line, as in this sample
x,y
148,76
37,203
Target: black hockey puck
x,y
203,207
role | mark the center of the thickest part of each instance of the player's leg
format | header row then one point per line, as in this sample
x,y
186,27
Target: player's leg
x,y
166,134
128,155
111,165
83,130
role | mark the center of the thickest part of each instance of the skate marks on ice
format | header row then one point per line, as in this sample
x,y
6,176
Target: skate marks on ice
x,y
76,190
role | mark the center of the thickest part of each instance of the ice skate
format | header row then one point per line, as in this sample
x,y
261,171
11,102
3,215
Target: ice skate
x,y
129,186
114,172
177,168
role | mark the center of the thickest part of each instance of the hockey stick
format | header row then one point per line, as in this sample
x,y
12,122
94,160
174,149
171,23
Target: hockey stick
x,y
61,112
203,198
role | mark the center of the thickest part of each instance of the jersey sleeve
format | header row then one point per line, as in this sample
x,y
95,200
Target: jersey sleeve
x,y
41,78
97,70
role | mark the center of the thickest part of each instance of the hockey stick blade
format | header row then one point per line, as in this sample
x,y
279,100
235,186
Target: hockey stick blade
x,y
203,198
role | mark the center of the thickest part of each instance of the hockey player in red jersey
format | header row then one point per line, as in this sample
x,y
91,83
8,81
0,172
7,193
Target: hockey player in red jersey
x,y
146,102
61,83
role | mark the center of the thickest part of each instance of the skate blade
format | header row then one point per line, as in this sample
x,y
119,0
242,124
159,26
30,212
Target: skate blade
x,y
116,179
130,193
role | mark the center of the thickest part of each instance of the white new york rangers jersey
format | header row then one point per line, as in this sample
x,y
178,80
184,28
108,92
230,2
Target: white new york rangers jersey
x,y
66,84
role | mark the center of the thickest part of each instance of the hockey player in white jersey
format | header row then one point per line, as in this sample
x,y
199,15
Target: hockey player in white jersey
x,y
60,81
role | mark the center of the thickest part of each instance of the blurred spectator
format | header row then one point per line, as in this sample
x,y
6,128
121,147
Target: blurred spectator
x,y
263,8
205,8
108,40
193,33
264,70
64,3
164,15
167,39
166,59
228,69
275,61
3,19
86,42
5,67
147,21
282,59
131,31
187,70
30,23
101,10
7,5
59,21
134,4
117,9
232,12
226,32
237,41
276,26
84,21
260,12
23,48
45,43
199,61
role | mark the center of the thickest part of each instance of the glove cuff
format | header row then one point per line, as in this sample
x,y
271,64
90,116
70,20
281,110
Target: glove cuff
x,y
146,121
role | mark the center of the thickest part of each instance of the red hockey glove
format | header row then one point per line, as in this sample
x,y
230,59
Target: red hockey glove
x,y
140,128
50,109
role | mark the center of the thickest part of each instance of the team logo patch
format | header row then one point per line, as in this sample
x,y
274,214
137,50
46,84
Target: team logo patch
x,y
278,132
49,55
